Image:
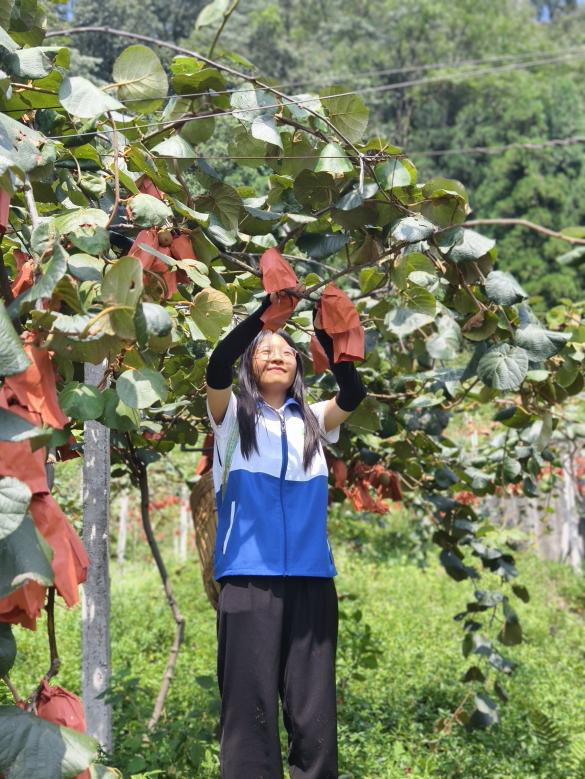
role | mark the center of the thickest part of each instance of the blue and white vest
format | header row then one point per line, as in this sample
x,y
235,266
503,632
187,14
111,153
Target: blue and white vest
x,y
272,515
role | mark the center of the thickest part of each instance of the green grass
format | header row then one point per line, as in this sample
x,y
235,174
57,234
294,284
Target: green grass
x,y
397,614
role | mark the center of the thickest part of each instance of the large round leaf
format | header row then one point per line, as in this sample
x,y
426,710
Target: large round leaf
x,y
140,77
81,98
176,147
223,202
348,113
502,288
412,229
141,388
464,245
333,160
199,130
503,367
122,283
33,748
13,358
248,103
540,343
81,401
211,311
149,211
85,267
14,502
117,415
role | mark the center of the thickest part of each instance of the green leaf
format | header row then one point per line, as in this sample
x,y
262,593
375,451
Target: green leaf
x,y
248,103
455,567
511,632
212,13
122,284
540,343
13,358
503,289
24,556
80,97
30,63
198,131
264,129
403,321
503,367
90,239
117,415
7,649
70,221
224,202
53,271
367,417
33,748
409,264
334,160
15,498
480,326
575,257
370,278
396,173
321,245
140,78
211,311
176,147
156,319
347,113
412,229
141,388
315,190
149,211
81,401
190,76
7,44
521,592
485,714
463,245
85,267
420,300
16,428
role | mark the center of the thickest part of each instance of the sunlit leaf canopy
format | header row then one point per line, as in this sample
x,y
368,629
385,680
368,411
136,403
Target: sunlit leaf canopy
x,y
141,255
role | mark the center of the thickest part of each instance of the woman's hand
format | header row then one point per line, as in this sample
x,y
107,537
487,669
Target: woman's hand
x,y
292,291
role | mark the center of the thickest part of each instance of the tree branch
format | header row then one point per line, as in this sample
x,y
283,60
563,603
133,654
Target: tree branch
x,y
141,471
116,172
528,225
226,17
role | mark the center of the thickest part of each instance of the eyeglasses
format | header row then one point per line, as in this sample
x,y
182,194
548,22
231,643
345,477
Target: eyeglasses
x,y
270,354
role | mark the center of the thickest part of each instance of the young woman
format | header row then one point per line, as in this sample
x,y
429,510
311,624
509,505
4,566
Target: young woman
x,y
277,617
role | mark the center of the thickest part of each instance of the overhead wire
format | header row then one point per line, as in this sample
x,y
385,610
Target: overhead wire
x,y
555,57
302,102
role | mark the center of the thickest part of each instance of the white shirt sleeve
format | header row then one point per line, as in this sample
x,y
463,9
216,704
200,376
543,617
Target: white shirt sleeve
x,y
222,431
318,409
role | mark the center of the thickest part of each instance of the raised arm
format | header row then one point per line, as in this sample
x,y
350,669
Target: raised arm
x,y
223,357
351,389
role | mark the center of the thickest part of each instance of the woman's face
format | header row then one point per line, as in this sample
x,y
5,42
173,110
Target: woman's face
x,y
275,363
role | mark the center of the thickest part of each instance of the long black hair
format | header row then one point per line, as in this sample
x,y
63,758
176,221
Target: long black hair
x,y
249,397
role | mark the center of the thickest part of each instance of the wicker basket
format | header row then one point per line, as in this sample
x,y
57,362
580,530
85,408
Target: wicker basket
x,y
205,522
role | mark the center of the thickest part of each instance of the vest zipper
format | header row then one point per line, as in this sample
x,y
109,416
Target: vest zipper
x,y
284,443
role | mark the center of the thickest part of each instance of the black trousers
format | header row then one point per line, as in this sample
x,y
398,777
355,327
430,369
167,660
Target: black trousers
x,y
277,635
